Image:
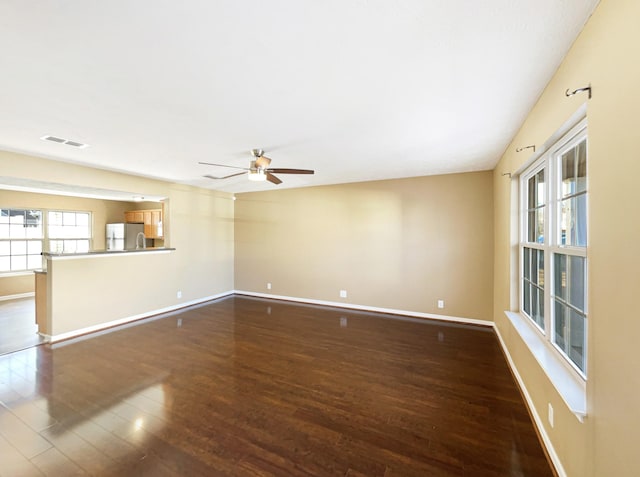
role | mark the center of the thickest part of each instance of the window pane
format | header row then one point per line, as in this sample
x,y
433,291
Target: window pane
x,y
534,303
581,180
540,277
537,306
34,231
527,298
531,193
55,218
534,266
540,308
526,260
18,247
17,230
560,276
566,217
581,221
33,218
573,221
34,247
4,230
18,262
34,261
54,231
82,231
82,219
577,339
5,247
69,246
82,246
540,225
576,282
560,325
55,246
68,218
531,226
17,217
568,173
540,195
4,216
5,264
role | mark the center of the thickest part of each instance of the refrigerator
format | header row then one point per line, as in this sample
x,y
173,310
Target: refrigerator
x,y
123,236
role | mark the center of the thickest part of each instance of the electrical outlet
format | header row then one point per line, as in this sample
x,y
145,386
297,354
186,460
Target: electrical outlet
x,y
343,293
269,286
440,303
550,414
179,294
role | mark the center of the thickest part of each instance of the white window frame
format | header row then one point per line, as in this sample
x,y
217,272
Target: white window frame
x,y
48,238
550,161
45,239
10,240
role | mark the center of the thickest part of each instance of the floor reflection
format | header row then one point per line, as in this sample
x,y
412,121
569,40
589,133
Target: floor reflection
x,y
257,387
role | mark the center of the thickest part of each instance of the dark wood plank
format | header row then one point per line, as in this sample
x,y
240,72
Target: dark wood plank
x,y
246,386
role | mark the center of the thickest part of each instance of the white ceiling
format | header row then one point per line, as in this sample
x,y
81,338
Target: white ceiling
x,y
355,89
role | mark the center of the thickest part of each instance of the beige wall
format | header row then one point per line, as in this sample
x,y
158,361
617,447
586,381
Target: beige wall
x,y
200,227
103,212
399,244
605,55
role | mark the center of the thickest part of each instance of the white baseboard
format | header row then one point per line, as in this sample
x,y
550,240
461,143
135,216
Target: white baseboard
x,y
17,295
536,417
129,319
375,309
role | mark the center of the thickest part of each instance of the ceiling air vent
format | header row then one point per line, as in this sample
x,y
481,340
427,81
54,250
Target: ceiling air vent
x,y
52,138
68,142
75,144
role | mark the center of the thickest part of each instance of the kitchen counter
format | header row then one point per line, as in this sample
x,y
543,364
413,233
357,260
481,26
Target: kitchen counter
x,y
105,253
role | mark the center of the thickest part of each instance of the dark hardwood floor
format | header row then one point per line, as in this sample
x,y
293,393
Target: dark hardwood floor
x,y
251,387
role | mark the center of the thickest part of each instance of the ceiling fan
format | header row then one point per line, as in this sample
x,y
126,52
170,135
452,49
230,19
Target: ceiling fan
x,y
259,169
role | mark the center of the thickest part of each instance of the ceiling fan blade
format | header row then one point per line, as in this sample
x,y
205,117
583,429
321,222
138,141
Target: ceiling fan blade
x,y
223,165
291,171
273,179
209,176
263,161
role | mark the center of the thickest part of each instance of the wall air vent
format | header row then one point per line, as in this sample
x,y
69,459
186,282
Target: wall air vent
x,y
68,142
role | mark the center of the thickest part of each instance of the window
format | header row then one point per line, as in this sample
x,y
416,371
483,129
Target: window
x,y
21,237
68,232
553,246
25,234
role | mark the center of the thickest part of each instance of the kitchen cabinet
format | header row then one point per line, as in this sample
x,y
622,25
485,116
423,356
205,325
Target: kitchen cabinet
x,y
152,220
134,217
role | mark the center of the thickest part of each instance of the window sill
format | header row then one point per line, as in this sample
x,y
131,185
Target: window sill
x,y
16,274
571,388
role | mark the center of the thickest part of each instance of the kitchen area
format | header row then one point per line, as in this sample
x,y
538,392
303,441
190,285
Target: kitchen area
x,y
141,233
141,229
114,227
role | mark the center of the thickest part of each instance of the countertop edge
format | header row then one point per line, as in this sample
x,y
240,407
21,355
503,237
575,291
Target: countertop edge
x,y
106,253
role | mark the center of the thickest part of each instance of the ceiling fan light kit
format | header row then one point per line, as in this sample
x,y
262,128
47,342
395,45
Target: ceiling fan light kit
x,y
257,176
259,169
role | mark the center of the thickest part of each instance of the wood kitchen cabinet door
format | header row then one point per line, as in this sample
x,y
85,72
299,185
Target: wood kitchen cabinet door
x,y
134,217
